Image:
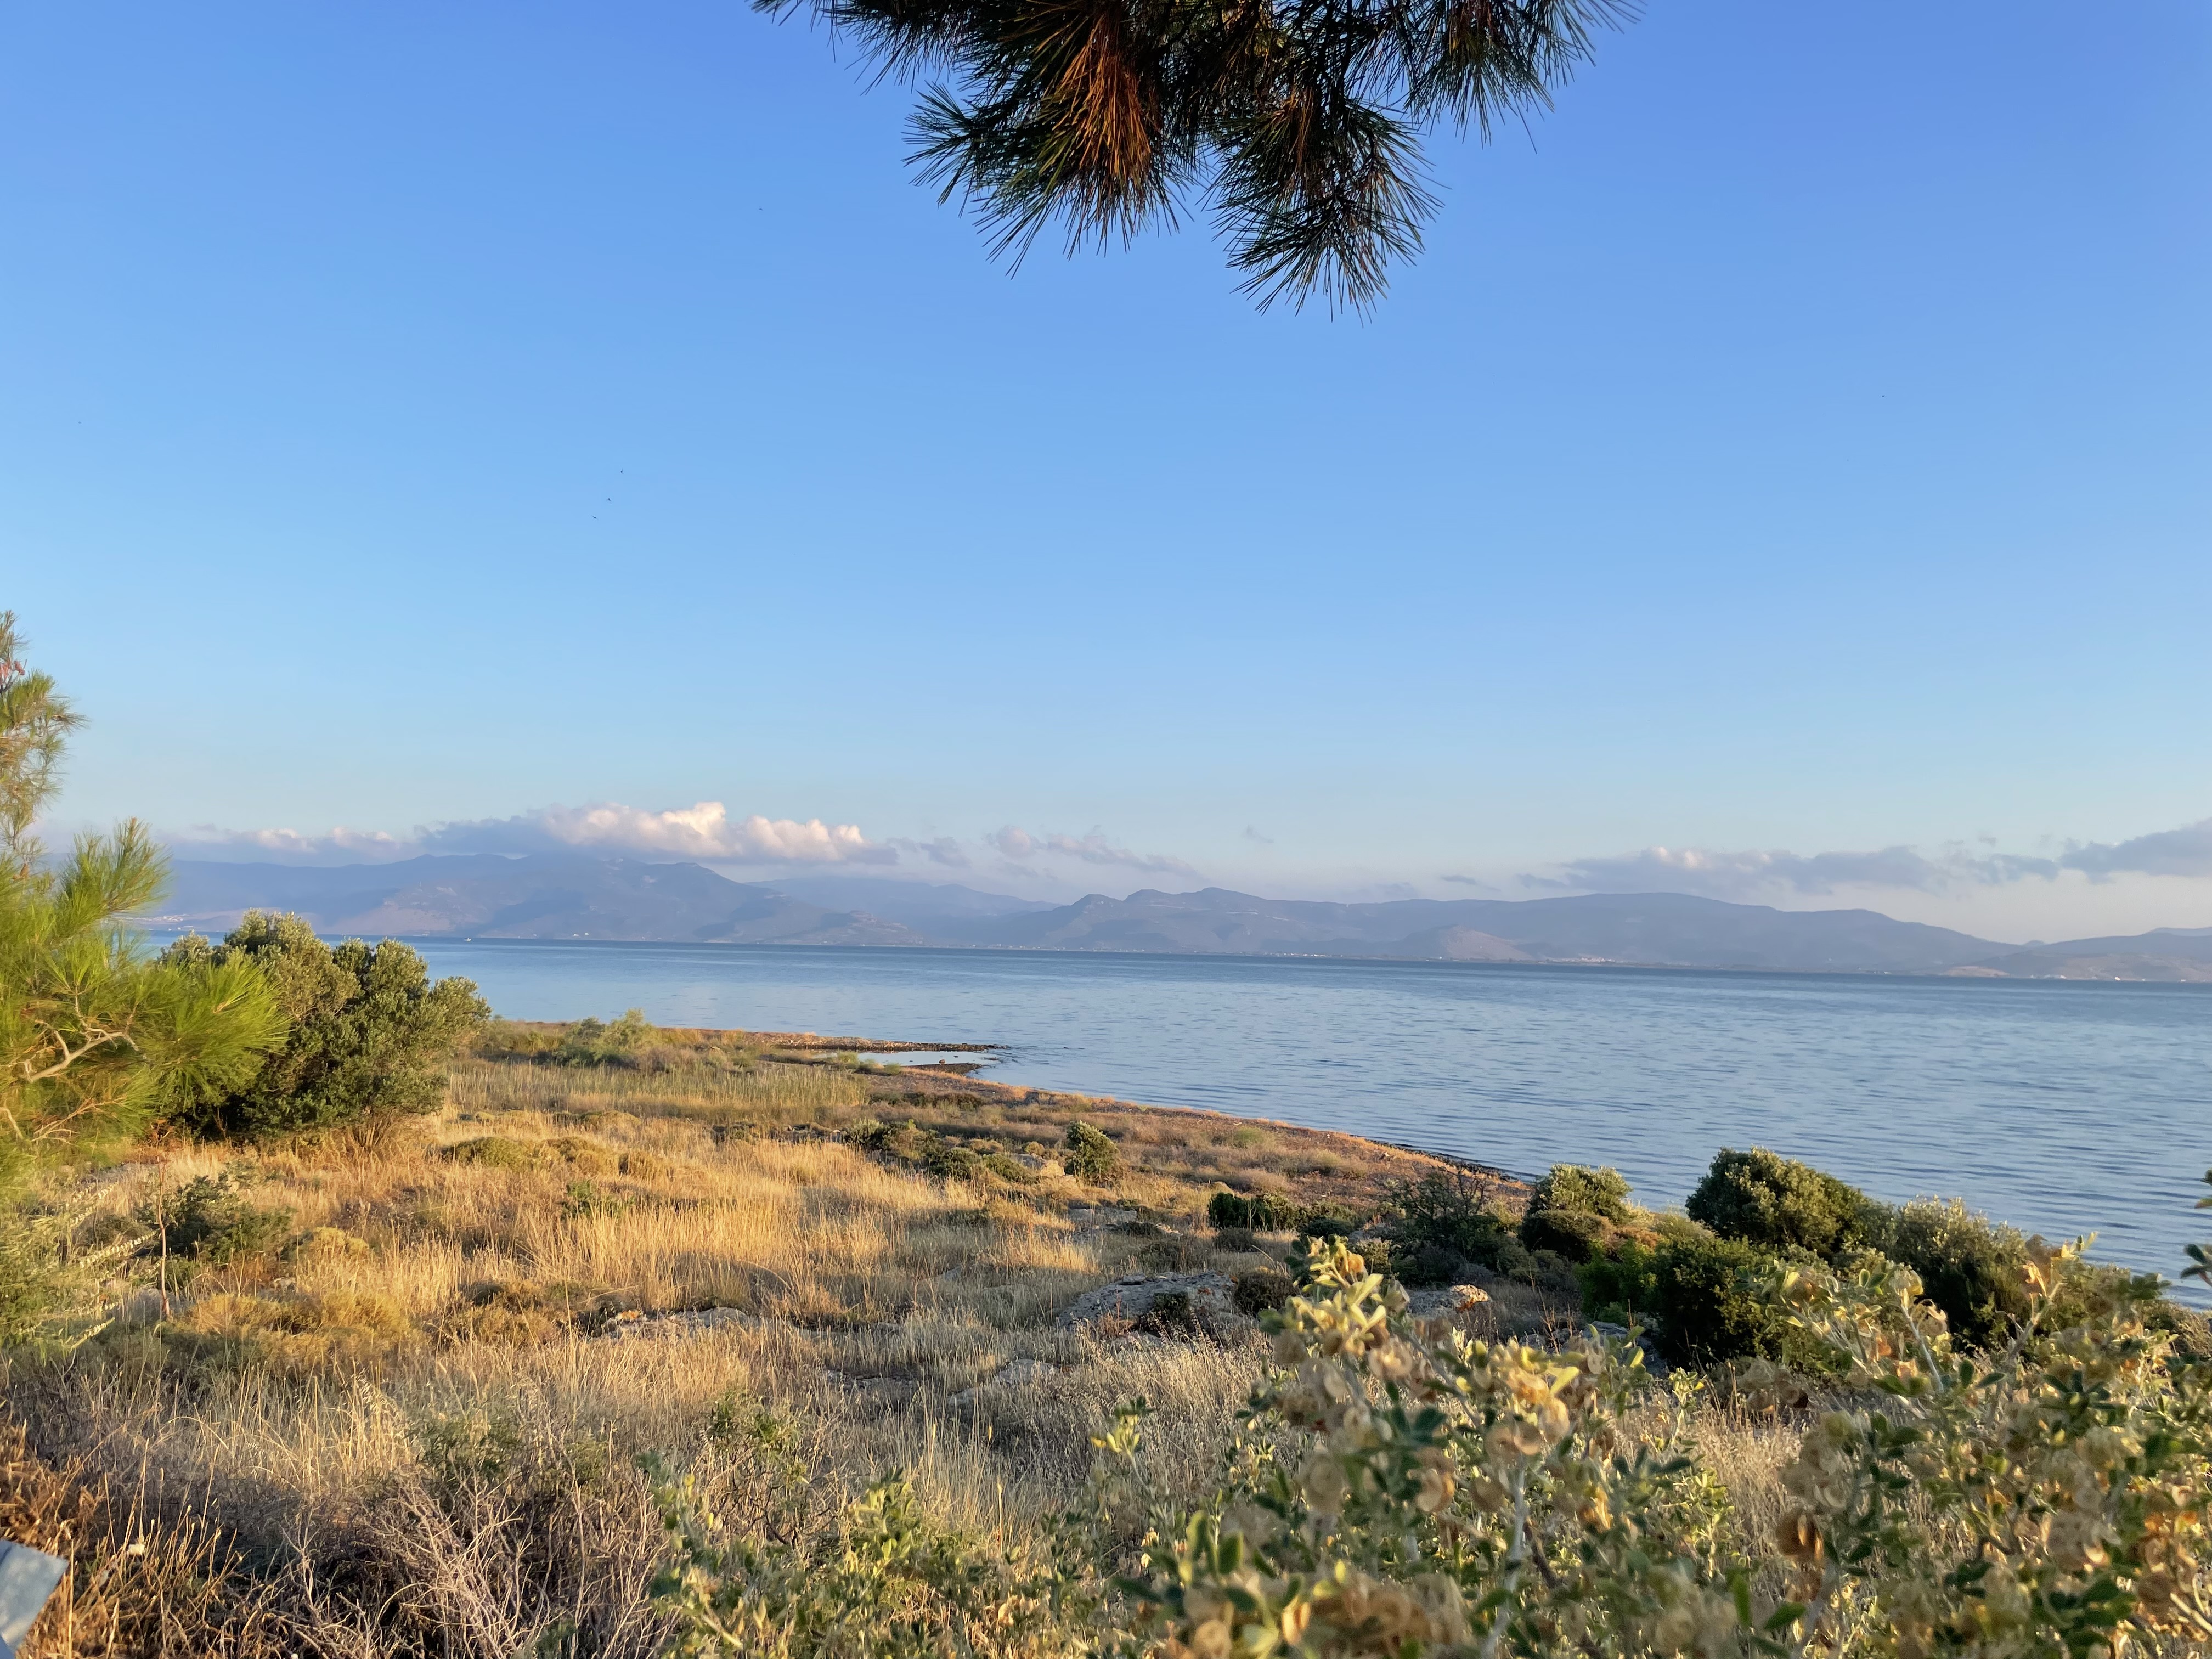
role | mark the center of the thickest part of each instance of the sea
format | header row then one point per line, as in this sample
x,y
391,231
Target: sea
x,y
2063,1107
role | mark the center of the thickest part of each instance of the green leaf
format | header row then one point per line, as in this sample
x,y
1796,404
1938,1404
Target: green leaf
x,y
1783,1617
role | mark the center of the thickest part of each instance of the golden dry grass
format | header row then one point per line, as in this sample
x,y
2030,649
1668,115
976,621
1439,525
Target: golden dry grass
x,y
415,1430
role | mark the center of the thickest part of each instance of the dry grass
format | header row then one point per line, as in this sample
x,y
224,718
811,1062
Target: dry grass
x,y
418,1435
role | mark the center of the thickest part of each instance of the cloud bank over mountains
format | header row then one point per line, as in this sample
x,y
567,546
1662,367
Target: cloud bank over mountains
x,y
1750,876
709,832
705,832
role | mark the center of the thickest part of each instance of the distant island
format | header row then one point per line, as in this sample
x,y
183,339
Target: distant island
x,y
577,896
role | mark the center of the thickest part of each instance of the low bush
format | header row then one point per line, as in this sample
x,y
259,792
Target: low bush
x,y
1778,1204
1173,1313
1574,1187
294,1336
328,1245
1969,1266
497,1152
1091,1153
1259,1212
873,1135
1622,1288
1427,1265
1711,1303
941,1158
370,1034
585,1157
210,1221
584,1200
1404,1492
1326,1221
1235,1238
595,1042
1444,1211
1575,1235
1261,1290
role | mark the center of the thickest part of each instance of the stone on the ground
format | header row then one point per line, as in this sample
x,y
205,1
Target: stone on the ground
x,y
1133,1296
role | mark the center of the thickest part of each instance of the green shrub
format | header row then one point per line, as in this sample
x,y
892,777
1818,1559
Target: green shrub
x,y
1090,1153
1260,1212
210,1221
1404,1493
1326,1221
591,1042
1969,1266
584,1200
1776,1203
1577,1236
496,1152
1711,1305
1007,1168
947,1162
1430,1264
1439,1209
370,1034
1260,1289
1622,1287
1574,1187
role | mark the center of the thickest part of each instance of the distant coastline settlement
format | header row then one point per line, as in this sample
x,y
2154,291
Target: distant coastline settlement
x,y
573,895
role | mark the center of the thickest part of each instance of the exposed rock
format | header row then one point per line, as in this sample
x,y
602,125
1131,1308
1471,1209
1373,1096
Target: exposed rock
x,y
1428,1302
1098,1218
1017,1374
1208,1297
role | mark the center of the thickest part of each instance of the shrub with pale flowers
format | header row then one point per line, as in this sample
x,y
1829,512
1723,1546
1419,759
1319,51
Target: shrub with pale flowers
x,y
1400,1490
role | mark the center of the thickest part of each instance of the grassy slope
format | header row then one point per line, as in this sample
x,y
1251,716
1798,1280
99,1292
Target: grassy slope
x,y
421,1439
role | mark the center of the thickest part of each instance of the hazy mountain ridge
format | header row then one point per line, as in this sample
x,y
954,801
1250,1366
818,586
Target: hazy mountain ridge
x,y
571,896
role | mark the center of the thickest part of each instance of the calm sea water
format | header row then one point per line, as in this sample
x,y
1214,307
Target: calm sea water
x,y
2064,1108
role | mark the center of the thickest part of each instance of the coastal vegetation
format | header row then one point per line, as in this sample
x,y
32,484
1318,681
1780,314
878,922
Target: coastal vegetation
x,y
342,1320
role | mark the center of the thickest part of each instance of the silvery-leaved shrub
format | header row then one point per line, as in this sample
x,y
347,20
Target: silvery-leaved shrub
x,y
1401,1491
1404,1490
1407,1492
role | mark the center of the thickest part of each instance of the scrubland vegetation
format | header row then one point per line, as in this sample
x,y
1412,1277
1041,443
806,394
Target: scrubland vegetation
x,y
343,1321
667,1341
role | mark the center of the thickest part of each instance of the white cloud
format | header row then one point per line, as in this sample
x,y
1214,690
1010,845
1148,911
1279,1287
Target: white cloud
x,y
705,830
336,846
1019,845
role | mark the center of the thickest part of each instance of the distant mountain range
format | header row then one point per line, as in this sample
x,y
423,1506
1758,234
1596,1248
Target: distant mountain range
x,y
575,896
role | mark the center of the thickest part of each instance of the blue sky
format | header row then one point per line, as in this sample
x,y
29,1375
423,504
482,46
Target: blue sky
x,y
1795,444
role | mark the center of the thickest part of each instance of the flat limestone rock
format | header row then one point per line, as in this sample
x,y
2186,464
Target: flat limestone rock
x,y
1134,1297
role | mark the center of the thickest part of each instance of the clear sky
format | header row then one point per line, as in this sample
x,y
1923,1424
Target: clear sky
x,y
1798,443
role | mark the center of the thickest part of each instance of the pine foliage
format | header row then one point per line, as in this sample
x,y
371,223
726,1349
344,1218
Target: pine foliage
x,y
96,1036
1298,129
